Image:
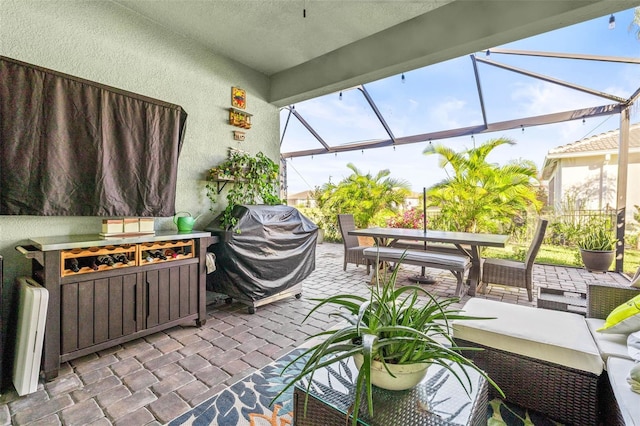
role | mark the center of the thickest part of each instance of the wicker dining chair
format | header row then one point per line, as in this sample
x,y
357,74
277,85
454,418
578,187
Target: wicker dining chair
x,y
512,272
353,251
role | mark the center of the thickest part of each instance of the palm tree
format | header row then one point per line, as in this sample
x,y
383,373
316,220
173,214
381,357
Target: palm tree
x,y
366,196
635,23
480,196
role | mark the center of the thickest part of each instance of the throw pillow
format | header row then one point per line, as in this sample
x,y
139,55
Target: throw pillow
x,y
635,281
633,346
634,378
623,319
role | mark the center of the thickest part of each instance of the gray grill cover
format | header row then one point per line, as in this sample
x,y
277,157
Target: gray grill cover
x,y
274,249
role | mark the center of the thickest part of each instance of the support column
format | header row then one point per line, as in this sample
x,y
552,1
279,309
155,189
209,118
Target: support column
x,y
621,192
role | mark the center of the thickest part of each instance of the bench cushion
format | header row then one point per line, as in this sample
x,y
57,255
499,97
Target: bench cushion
x,y
561,338
628,401
431,247
433,260
608,344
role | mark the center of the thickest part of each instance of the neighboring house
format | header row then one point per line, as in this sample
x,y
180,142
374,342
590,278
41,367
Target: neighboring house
x,y
414,199
301,199
305,199
585,173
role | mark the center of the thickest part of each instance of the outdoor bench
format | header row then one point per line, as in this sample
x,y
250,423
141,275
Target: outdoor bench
x,y
430,247
457,264
555,362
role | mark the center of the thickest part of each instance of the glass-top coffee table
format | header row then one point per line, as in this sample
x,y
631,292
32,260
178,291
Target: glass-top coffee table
x,y
438,400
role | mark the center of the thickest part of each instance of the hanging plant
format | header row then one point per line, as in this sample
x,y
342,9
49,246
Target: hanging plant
x,y
254,178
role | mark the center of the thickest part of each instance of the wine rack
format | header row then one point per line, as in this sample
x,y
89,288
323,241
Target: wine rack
x,y
164,251
95,259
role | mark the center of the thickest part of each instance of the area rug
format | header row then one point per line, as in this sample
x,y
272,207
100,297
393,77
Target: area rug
x,y
247,403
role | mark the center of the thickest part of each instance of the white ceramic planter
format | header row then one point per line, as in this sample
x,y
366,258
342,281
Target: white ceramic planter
x,y
406,375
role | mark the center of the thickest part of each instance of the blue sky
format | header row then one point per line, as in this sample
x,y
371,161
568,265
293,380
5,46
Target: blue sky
x,y
444,96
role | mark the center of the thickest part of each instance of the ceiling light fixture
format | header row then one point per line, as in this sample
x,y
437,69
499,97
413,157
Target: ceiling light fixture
x,y
612,22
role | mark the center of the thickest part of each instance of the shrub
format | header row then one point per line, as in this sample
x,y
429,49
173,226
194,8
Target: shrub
x,y
412,218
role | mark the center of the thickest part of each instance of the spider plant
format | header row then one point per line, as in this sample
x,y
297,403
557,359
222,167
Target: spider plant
x,y
599,238
392,326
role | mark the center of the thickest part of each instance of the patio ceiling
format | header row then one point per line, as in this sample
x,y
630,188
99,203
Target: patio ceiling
x,y
314,47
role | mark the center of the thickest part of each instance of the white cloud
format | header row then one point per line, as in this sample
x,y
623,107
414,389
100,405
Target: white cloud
x,y
446,113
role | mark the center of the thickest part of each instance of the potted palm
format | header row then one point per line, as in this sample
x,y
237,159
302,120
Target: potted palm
x,y
393,336
597,247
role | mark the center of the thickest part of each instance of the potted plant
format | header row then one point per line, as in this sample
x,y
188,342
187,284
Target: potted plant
x,y
597,247
254,178
392,336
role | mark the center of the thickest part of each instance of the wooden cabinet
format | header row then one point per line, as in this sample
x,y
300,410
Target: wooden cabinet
x,y
3,340
171,294
93,311
93,307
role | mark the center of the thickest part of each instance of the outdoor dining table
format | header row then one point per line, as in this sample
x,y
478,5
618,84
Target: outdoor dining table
x,y
468,243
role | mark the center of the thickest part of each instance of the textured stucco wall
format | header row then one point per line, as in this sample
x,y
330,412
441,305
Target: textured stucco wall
x,y
595,180
106,43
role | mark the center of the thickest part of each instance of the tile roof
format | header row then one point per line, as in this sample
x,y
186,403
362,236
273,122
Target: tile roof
x,y
603,142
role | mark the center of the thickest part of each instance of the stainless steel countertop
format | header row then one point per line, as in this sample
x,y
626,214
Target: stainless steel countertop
x,y
65,242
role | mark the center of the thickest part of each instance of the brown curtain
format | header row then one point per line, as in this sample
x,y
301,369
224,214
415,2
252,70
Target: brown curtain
x,y
71,147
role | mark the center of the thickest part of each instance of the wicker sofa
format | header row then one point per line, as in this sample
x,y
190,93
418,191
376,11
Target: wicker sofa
x,y
619,405
554,362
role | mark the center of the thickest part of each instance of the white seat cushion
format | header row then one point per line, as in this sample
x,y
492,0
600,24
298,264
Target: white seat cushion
x,y
608,344
434,260
628,401
559,337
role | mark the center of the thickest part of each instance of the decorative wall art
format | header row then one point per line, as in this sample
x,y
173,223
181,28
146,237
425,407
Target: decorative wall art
x,y
238,98
239,118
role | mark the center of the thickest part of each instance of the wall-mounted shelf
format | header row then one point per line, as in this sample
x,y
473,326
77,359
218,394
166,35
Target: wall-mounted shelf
x,y
221,182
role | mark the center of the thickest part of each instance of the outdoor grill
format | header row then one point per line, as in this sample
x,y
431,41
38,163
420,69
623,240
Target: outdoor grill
x,y
264,256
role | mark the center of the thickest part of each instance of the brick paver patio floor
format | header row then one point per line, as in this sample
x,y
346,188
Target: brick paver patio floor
x,y
154,379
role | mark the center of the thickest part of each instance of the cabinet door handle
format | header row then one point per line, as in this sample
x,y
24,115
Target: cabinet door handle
x,y
147,297
135,304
